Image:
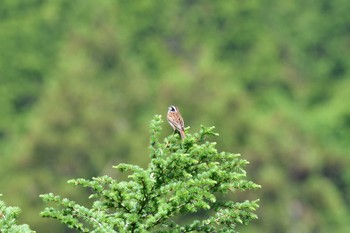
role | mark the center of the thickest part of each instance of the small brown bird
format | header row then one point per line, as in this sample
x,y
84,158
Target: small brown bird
x,y
176,121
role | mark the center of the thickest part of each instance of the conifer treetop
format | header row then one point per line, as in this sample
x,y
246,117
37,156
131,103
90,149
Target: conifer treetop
x,y
183,178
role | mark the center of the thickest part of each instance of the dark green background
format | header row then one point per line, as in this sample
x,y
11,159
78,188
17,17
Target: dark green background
x,y
80,81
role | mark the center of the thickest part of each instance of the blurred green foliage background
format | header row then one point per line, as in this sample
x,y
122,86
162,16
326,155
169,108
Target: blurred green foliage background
x,y
80,81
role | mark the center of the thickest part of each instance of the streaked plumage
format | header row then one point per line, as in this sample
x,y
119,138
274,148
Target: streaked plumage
x,y
176,121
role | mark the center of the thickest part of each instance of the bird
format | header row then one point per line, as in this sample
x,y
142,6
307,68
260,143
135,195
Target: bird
x,y
176,121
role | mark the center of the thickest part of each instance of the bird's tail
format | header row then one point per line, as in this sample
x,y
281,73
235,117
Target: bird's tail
x,y
182,134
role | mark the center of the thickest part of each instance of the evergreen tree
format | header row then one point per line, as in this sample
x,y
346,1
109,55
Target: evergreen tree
x,y
8,220
182,178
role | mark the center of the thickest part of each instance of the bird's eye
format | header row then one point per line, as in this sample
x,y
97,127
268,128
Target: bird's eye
x,y
172,108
